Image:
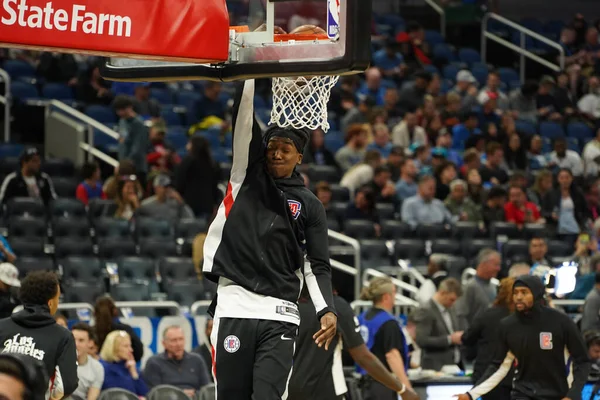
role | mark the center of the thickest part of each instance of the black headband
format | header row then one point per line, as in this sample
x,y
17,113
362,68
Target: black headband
x,y
298,136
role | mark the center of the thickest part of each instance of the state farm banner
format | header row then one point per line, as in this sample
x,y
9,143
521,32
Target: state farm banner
x,y
184,30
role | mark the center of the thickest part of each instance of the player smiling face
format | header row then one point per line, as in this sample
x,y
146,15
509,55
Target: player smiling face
x,y
282,157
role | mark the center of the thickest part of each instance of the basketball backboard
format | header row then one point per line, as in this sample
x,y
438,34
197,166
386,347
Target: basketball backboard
x,y
345,48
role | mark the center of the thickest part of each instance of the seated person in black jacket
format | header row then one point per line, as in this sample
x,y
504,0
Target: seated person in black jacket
x,y
255,250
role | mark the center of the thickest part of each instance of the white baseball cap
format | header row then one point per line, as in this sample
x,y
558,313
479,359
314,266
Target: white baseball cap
x,y
9,274
465,76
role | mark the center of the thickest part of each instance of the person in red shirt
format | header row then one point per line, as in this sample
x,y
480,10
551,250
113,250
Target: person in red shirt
x,y
91,187
520,211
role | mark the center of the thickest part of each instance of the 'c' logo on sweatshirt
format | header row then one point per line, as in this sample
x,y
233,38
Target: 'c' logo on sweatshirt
x,y
546,340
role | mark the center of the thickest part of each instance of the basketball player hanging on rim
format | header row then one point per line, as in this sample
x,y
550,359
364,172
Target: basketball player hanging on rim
x,y
255,249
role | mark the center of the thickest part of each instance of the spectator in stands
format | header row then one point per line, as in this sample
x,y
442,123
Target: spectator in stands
x,y
61,320
522,101
480,292
537,252
317,153
161,156
515,154
408,132
546,102
354,150
197,178
381,141
412,94
586,248
591,192
406,186
460,205
134,140
563,158
166,203
438,333
566,207
471,160
493,88
592,340
211,104
111,185
58,68
89,370
93,349
491,171
204,350
9,279
6,252
568,42
436,273
28,181
106,316
324,194
176,367
589,105
535,155
424,208
127,199
394,162
541,187
361,174
482,334
591,156
422,158
493,209
372,86
491,133
382,185
590,317
444,175
92,88
413,46
518,269
390,61
143,105
444,141
563,97
489,112
451,113
592,49
356,115
466,131
391,106
120,370
91,187
438,160
475,189
466,89
519,211
363,207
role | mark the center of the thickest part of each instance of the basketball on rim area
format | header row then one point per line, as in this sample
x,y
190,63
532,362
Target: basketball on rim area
x,y
308,30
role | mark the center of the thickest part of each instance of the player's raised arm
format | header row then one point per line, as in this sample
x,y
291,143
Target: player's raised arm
x,y
247,135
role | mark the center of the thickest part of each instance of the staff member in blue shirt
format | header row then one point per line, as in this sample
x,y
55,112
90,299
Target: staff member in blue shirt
x,y
384,338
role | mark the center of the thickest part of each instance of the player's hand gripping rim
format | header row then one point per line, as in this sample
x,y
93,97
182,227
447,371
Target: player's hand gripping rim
x,y
327,332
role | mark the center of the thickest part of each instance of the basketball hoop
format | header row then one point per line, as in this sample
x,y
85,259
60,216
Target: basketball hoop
x,y
301,102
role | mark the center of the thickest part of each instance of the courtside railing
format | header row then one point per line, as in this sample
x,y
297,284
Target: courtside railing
x,y
343,250
90,125
440,10
400,285
6,101
521,49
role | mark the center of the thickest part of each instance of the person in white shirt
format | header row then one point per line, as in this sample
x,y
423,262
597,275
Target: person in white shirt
x,y
591,156
436,273
89,370
562,157
362,173
589,104
408,132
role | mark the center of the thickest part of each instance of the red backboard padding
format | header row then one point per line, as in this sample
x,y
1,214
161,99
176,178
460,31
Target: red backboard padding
x,y
183,30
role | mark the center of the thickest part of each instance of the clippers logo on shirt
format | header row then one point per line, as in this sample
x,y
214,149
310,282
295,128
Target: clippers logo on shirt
x,y
546,340
295,207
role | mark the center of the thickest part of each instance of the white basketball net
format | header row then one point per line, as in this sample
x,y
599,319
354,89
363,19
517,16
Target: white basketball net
x,y
302,102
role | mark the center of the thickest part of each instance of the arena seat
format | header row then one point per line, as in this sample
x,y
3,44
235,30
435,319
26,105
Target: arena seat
x,y
84,292
446,246
339,193
130,291
67,246
176,269
392,229
65,187
71,227
386,211
26,207
514,248
504,229
98,208
112,227
156,248
58,91
432,231
187,293
67,208
102,114
189,228
23,91
18,69
136,269
153,228
410,249
374,253
114,247
33,247
27,264
117,394
471,247
81,269
27,227
166,392
359,228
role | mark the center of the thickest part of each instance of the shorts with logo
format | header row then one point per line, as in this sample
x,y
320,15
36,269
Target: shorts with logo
x,y
252,358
